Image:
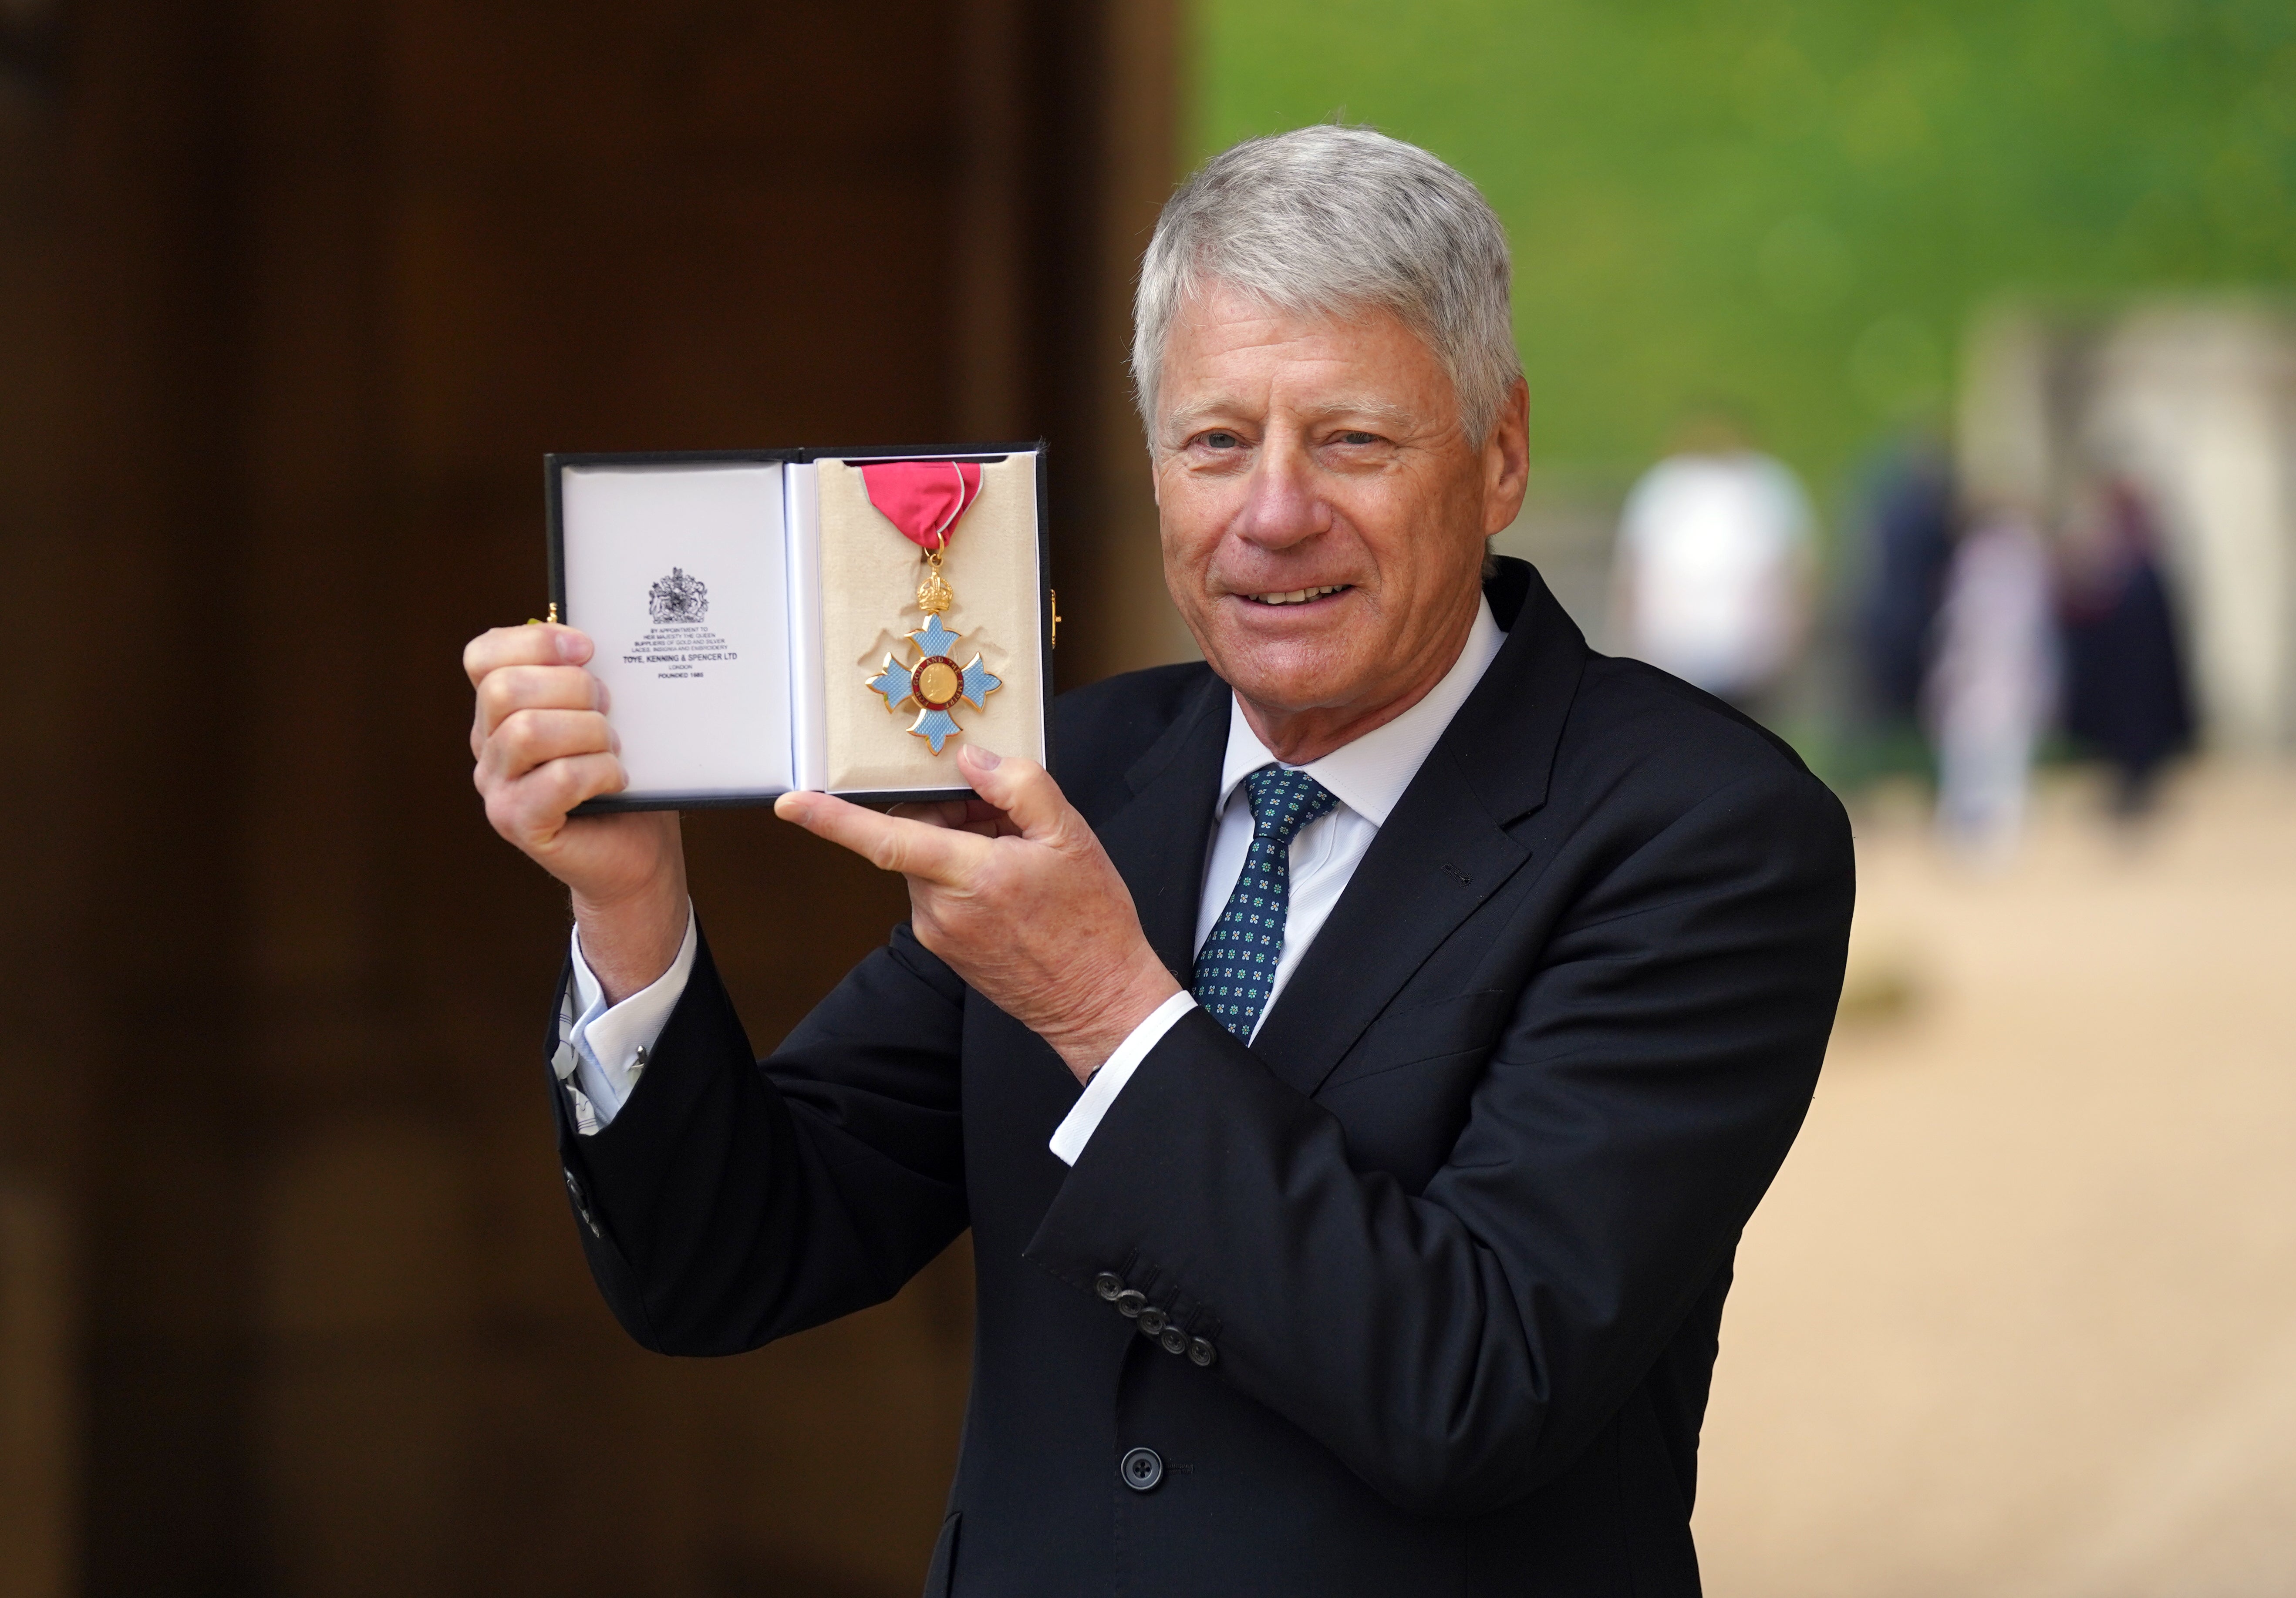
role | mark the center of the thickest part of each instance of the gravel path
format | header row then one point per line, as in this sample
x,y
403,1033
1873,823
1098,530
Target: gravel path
x,y
2020,1315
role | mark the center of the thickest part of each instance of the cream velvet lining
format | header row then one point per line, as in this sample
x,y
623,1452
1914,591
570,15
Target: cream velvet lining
x,y
869,575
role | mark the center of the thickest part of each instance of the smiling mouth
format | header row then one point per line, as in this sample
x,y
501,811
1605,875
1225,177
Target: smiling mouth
x,y
1296,596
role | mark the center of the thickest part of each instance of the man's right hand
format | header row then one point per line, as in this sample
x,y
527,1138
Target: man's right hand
x,y
542,746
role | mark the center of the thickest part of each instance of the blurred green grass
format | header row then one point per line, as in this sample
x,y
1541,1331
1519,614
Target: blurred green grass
x,y
1797,208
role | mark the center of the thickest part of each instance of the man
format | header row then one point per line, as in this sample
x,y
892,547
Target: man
x,y
1356,1072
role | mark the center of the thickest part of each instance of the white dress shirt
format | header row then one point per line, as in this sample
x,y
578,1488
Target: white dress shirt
x,y
606,1048
603,1052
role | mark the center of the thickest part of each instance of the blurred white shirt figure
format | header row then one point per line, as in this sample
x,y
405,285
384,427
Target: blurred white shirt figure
x,y
1993,683
1714,555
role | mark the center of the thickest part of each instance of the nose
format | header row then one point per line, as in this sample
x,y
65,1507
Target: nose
x,y
1282,506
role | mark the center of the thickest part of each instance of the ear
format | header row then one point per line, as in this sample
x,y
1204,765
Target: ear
x,y
1506,461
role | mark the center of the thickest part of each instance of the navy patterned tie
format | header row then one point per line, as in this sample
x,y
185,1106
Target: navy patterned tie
x,y
1236,966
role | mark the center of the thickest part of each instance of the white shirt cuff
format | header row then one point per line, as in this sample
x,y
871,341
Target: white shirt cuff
x,y
1075,1129
605,1048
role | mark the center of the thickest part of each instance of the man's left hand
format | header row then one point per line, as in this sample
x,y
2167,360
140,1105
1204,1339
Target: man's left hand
x,y
1015,893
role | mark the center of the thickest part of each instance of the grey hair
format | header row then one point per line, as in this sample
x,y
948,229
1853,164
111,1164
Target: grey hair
x,y
1326,220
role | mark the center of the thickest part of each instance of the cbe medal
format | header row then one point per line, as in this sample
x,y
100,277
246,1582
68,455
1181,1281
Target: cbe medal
x,y
923,499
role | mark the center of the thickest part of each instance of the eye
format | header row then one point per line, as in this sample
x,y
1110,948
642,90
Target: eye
x,y
1219,438
1358,436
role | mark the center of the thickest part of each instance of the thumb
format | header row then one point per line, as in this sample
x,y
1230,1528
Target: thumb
x,y
1022,788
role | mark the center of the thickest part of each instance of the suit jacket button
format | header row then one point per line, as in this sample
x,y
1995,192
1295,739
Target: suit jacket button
x,y
1175,1340
582,1205
1152,1322
1141,1469
1201,1351
1130,1302
1108,1286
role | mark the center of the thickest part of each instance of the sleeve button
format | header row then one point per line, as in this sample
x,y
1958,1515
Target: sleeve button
x,y
1152,1322
1201,1351
1175,1340
1108,1284
1130,1302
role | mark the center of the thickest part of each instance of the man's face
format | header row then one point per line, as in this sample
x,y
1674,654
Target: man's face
x,y
1322,509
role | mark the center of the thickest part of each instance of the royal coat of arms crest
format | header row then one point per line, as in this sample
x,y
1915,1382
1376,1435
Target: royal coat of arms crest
x,y
678,598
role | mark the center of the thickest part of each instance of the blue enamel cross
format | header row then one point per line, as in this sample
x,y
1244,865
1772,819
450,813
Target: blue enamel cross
x,y
934,684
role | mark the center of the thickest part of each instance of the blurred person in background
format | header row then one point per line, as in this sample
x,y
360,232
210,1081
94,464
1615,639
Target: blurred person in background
x,y
1712,575
1902,542
1993,685
2127,697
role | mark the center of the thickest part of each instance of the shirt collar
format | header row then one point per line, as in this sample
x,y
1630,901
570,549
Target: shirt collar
x,y
1369,775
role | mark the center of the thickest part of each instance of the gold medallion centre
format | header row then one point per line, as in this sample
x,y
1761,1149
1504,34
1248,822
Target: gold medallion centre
x,y
938,683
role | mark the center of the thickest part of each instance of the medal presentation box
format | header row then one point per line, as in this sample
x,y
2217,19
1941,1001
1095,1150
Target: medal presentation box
x,y
841,621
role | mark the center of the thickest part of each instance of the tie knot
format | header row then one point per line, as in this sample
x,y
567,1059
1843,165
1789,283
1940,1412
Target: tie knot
x,y
1285,799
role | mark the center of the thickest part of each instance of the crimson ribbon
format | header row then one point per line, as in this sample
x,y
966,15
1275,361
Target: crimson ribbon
x,y
923,498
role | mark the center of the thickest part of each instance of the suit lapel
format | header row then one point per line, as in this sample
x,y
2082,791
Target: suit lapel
x,y
1158,839
1445,848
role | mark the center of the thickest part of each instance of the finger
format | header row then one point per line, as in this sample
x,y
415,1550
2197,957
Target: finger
x,y
974,816
1022,788
935,813
543,644
986,819
972,813
530,738
507,689
531,811
914,848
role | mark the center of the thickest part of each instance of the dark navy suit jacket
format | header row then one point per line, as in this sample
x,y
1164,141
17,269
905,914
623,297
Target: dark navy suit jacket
x,y
1454,1232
